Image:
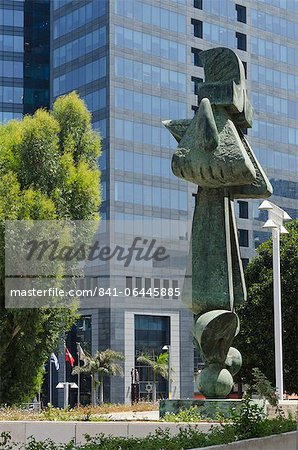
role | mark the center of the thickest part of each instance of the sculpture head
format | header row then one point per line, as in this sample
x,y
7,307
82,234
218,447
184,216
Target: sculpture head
x,y
225,84
212,150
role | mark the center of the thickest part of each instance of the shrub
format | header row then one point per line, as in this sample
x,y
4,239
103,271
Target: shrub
x,y
184,415
247,422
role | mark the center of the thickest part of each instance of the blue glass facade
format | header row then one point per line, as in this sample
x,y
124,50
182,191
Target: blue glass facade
x,y
11,60
269,76
151,15
273,84
150,84
80,47
81,76
24,57
79,59
147,44
150,74
79,16
264,34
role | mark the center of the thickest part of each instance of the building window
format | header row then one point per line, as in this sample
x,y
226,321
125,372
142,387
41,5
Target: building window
x,y
196,57
241,13
243,238
147,286
151,334
129,284
198,4
166,286
157,286
175,286
139,286
241,41
243,209
245,68
245,261
197,28
195,81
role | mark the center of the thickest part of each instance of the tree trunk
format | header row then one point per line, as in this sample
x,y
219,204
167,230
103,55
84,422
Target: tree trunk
x,y
92,391
14,333
154,391
154,387
101,391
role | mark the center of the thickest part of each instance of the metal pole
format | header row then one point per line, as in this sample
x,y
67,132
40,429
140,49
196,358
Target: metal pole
x,y
65,385
64,362
79,375
66,391
92,390
169,374
50,368
277,313
39,400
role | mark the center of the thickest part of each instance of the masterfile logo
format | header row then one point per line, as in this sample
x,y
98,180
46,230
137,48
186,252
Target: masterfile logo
x,y
51,263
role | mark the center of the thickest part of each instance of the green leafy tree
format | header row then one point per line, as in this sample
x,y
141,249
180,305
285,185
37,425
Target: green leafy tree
x,y
159,366
102,364
256,337
48,171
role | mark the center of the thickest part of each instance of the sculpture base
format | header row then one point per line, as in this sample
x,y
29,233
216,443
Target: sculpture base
x,y
207,408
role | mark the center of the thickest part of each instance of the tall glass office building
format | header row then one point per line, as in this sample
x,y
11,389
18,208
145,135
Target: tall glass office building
x,y
135,63
129,60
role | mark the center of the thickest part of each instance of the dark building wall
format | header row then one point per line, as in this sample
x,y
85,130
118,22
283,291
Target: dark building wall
x,y
36,55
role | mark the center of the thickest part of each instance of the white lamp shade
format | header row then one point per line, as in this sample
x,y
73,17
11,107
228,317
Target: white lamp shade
x,y
286,216
270,224
283,230
265,205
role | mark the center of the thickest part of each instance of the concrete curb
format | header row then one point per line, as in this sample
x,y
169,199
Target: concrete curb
x,y
285,441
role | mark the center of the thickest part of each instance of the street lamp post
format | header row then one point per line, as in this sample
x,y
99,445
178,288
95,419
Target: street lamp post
x,y
276,217
168,349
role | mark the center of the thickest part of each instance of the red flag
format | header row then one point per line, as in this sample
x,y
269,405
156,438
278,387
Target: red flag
x,y
69,357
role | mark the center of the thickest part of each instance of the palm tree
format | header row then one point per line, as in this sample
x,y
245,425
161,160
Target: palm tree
x,y
102,364
159,366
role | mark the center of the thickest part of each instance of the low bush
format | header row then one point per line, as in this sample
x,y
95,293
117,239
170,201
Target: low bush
x,y
246,422
161,440
184,415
